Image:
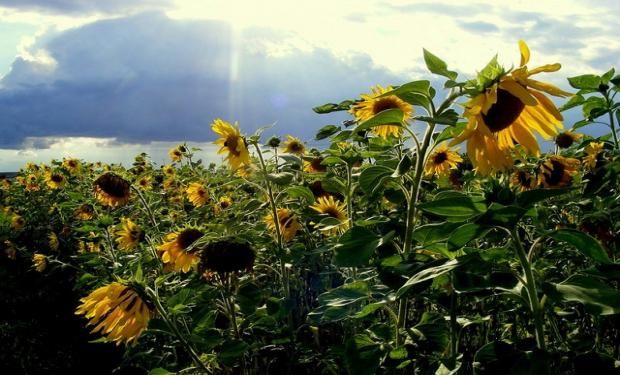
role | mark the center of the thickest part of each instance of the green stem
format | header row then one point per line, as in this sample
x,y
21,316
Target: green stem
x,y
530,286
146,207
349,194
454,328
612,121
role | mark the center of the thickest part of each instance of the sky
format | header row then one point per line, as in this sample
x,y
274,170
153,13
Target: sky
x,y
108,79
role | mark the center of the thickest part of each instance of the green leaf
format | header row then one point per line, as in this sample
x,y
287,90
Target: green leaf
x,y
438,66
281,178
605,78
583,242
160,371
300,192
461,208
527,199
369,309
404,166
586,81
432,331
420,86
362,356
431,233
355,247
450,132
503,358
594,107
231,351
393,116
371,179
340,303
464,234
332,107
326,131
598,297
448,117
574,101
498,214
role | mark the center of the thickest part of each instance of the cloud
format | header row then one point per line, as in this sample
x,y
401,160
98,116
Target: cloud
x,y
149,78
479,27
84,7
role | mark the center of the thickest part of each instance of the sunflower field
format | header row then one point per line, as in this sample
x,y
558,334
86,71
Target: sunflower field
x,y
432,234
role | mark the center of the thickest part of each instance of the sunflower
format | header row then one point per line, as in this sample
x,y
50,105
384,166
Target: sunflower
x,y
197,194
52,241
557,171
71,165
226,256
223,203
372,104
84,212
145,183
314,165
567,138
287,221
39,262
4,183
17,222
176,251
169,170
112,190
592,150
129,236
118,311
333,208
441,161
523,180
32,183
54,180
293,145
507,113
176,153
232,143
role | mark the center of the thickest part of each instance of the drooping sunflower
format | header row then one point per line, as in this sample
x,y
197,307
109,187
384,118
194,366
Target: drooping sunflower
x,y
592,150
17,222
52,241
557,171
84,212
39,262
232,144
112,190
72,166
567,138
177,253
314,165
441,161
293,145
335,209
176,153
373,103
129,235
117,311
197,194
287,221
523,180
508,112
227,255
54,180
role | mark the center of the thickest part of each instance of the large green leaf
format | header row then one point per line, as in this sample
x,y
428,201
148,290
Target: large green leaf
x,y
498,214
503,358
326,131
362,355
438,66
393,116
583,242
340,303
459,207
332,107
301,192
466,233
371,179
527,199
586,81
598,297
355,247
430,233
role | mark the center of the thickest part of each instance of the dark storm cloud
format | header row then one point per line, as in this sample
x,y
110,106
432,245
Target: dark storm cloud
x,y
81,6
149,78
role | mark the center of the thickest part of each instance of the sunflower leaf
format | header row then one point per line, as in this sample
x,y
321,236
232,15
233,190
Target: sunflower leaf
x,y
598,297
355,247
583,242
393,116
585,81
326,131
575,101
438,66
333,107
372,178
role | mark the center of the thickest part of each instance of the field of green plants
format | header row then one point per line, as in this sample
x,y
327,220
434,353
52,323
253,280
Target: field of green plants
x,y
433,234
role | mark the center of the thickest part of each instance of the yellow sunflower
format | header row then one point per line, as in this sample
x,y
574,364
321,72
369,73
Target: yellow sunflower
x,y
39,262
112,190
567,138
71,165
373,103
176,153
169,170
332,208
314,165
52,241
287,221
441,161
223,203
507,113
592,150
129,236
145,183
17,222
557,171
232,144
197,194
293,145
54,180
117,311
32,183
84,212
176,253
523,180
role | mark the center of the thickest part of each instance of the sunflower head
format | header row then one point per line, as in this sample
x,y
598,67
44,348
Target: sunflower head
x,y
130,234
441,161
374,103
176,153
294,145
227,255
71,165
17,222
314,165
178,252
223,203
144,183
84,212
523,180
197,194
592,150
567,138
54,179
52,241
557,171
112,190
39,262
232,144
333,208
287,223
117,311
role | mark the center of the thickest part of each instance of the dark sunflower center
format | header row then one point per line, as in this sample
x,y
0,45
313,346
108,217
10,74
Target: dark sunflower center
x,y
286,221
224,204
113,185
332,211
317,166
440,157
295,147
57,178
231,143
524,178
188,237
556,173
504,112
383,104
564,140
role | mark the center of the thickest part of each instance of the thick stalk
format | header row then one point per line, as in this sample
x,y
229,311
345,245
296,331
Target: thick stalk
x,y
530,286
612,122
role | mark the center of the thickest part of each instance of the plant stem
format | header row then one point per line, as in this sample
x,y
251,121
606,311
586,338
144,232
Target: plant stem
x,y
349,194
612,121
146,207
454,330
530,286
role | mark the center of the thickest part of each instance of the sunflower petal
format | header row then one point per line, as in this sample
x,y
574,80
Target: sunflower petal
x,y
519,91
525,52
548,68
548,88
